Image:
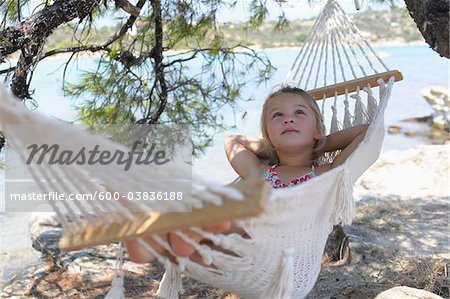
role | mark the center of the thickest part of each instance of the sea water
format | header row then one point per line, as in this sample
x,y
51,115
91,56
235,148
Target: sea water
x,y
420,66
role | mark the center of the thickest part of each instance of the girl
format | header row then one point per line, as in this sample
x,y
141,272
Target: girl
x,y
293,138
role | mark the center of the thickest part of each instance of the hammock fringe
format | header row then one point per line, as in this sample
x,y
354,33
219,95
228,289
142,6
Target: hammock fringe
x,y
117,290
371,103
345,208
347,115
361,116
282,284
171,284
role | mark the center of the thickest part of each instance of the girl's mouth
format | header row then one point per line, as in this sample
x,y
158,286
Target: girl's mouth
x,y
289,130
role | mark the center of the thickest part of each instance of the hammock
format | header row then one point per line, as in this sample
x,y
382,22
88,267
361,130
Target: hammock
x,y
279,255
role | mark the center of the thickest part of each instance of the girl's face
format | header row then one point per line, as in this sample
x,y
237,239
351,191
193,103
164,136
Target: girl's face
x,y
290,122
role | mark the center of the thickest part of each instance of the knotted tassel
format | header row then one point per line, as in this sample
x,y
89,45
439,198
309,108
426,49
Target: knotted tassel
x,y
117,290
347,116
334,121
335,126
345,208
371,103
282,284
322,109
359,112
171,283
382,87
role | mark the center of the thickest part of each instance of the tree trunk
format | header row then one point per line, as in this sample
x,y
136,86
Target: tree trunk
x,y
337,251
432,19
30,36
2,141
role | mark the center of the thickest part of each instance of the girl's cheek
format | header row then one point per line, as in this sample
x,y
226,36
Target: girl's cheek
x,y
272,139
270,127
271,132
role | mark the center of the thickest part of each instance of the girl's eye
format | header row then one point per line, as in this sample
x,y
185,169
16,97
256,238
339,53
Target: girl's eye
x,y
276,114
299,112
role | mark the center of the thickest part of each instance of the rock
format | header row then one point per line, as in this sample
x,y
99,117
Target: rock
x,y
423,119
438,121
45,233
65,274
437,97
413,133
406,293
394,129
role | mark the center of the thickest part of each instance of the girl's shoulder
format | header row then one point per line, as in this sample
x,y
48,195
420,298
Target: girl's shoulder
x,y
323,168
259,171
262,169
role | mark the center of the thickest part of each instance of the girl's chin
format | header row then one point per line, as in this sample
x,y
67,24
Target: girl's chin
x,y
288,146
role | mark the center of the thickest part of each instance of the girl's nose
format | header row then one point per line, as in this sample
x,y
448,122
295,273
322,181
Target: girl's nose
x,y
288,119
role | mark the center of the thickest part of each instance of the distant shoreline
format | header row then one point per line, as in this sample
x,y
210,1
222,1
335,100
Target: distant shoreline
x,y
392,43
258,48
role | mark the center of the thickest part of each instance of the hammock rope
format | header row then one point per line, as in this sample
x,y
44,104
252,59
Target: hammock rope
x,y
334,27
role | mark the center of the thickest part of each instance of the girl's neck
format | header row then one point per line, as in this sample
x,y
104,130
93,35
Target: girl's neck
x,y
295,159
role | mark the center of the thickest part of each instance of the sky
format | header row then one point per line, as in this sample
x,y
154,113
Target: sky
x,y
294,9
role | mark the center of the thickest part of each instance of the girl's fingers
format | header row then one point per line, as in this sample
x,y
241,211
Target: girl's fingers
x,y
139,255
183,249
179,247
219,228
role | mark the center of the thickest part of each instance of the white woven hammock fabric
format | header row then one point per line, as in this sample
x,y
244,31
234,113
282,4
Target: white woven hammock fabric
x,y
282,257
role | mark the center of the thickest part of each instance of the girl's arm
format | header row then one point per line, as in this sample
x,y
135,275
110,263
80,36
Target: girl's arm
x,y
347,141
245,154
342,139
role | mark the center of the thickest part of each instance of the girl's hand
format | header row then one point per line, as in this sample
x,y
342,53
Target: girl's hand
x,y
347,141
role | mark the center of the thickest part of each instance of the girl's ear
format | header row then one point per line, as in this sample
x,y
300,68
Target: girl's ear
x,y
318,135
321,131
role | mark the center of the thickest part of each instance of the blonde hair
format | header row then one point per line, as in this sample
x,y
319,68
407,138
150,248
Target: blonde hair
x,y
311,102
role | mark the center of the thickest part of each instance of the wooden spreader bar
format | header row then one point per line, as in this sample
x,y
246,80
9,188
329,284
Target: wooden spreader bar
x,y
352,85
256,193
